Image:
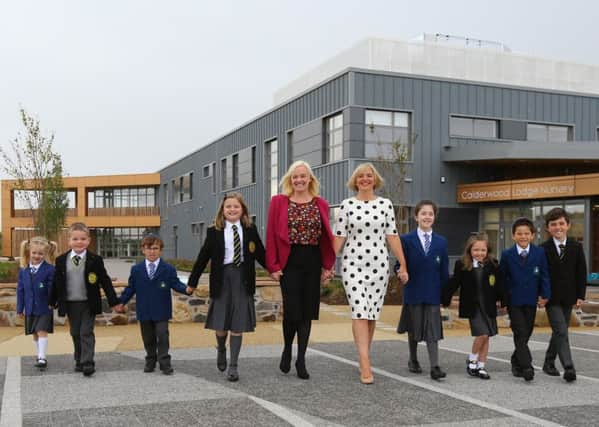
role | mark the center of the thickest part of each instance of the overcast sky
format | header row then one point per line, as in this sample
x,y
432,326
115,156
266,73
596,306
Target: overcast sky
x,y
131,86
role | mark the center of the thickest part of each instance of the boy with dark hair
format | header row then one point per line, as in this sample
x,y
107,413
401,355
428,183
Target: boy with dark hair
x,y
568,272
152,281
526,281
77,281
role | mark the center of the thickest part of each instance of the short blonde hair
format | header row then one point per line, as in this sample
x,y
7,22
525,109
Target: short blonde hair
x,y
379,182
313,187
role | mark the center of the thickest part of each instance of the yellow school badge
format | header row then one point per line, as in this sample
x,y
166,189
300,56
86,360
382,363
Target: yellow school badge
x,y
252,247
492,280
162,285
92,278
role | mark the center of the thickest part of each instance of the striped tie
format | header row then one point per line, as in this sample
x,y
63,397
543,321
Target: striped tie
x,y
562,251
427,243
236,247
152,270
33,270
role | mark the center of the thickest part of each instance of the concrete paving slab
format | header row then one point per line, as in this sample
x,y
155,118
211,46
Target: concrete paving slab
x,y
22,345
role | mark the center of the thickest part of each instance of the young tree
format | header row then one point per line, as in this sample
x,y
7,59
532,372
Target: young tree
x,y
38,174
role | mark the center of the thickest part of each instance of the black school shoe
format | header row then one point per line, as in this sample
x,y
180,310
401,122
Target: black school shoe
x,y
437,373
149,367
528,374
483,374
570,374
88,370
233,375
473,372
167,370
550,369
42,364
221,359
516,371
414,367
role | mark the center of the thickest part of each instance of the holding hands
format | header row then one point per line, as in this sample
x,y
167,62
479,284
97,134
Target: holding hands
x,y
189,290
120,308
276,275
403,276
326,275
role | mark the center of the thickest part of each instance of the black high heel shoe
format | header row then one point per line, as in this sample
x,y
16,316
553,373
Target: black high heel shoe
x,y
300,367
285,365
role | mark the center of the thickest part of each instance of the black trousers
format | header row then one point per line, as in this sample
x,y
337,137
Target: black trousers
x,y
156,342
300,283
81,324
559,319
522,322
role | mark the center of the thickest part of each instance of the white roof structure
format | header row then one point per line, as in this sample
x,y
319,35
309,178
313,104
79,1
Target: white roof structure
x,y
439,56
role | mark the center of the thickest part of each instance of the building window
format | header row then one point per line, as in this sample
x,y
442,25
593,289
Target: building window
x,y
271,169
206,171
472,128
235,170
182,188
548,133
387,134
333,138
197,229
213,177
223,174
131,197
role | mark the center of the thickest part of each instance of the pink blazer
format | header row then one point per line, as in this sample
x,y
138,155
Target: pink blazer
x,y
277,234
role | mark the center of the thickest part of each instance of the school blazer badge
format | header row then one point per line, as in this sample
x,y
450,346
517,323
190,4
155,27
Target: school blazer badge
x,y
252,247
92,278
491,280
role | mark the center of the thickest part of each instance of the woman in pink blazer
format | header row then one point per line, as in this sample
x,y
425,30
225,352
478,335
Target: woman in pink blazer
x,y
299,255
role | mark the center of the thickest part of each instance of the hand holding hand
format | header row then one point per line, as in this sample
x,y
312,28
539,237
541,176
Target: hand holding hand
x,y
542,302
403,276
189,290
276,275
579,302
325,276
120,308
21,315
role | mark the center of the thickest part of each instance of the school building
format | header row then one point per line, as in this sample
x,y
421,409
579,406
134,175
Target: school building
x,y
487,133
118,209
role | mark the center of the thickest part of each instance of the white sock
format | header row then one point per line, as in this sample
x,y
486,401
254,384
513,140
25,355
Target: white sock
x,y
37,347
473,357
481,365
42,347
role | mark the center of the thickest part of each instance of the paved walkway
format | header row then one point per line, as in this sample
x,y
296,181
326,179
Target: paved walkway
x,y
198,394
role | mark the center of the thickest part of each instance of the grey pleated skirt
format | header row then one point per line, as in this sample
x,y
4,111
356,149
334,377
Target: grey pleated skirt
x,y
422,322
233,310
35,324
482,324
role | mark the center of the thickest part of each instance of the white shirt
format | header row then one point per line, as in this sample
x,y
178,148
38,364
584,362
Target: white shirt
x,y
557,243
520,250
81,255
229,247
475,263
421,236
36,266
155,265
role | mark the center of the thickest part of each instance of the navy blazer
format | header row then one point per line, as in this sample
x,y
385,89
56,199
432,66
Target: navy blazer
x,y
33,291
153,300
95,277
213,250
568,275
525,281
428,273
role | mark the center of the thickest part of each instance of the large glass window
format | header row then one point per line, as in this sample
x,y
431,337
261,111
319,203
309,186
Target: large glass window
x,y
387,135
334,138
271,172
471,127
121,241
129,197
548,133
239,169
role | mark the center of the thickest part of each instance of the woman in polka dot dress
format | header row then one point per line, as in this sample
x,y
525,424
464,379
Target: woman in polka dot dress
x,y
364,228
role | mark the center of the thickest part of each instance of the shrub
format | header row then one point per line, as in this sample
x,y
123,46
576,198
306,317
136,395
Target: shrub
x,y
9,272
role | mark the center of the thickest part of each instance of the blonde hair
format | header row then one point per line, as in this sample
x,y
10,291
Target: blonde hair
x,y
49,250
79,226
219,219
467,256
313,187
379,182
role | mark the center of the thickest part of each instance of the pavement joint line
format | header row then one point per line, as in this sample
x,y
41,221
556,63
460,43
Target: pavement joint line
x,y
281,412
498,359
590,350
593,334
448,393
11,414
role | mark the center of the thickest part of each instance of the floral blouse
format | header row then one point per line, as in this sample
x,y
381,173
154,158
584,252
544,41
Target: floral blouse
x,y
305,225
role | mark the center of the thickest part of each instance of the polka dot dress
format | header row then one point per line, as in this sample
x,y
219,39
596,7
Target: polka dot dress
x,y
365,264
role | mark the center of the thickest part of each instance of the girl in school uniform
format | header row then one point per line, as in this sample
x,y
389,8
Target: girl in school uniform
x,y
480,281
232,246
35,281
427,261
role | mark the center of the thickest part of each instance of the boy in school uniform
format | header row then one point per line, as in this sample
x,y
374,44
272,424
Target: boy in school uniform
x,y
526,280
568,272
77,281
152,281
